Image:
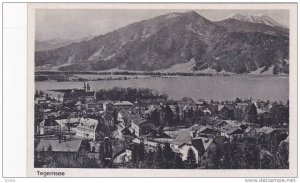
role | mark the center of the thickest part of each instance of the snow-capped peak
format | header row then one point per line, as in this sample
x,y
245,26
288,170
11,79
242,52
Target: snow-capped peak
x,y
258,18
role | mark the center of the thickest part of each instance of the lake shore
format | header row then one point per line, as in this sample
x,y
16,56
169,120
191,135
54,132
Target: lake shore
x,y
216,88
125,75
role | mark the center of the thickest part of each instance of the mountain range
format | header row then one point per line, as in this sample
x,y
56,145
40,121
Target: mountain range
x,y
51,44
238,44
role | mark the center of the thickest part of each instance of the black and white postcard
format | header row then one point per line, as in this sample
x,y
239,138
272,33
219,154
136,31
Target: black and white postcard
x,y
162,90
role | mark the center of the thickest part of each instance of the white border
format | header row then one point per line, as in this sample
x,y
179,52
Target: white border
x,y
292,172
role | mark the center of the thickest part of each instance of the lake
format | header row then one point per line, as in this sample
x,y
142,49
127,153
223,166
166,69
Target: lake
x,y
273,88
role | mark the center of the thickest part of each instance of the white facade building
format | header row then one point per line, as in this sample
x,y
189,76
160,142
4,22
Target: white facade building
x,y
87,128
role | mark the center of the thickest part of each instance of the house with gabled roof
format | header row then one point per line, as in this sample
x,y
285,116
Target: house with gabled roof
x,y
218,124
68,124
263,114
49,126
87,128
123,156
270,135
139,125
182,143
59,146
199,130
205,147
226,111
231,132
266,130
119,105
153,107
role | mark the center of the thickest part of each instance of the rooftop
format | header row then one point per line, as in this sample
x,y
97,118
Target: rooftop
x,y
57,146
184,136
230,129
88,123
229,107
201,143
69,120
123,103
265,130
49,122
199,128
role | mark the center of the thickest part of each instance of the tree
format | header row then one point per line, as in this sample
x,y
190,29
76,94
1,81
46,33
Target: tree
x,y
107,148
191,112
177,115
158,159
155,118
115,117
168,116
280,114
238,100
177,162
190,161
49,148
168,156
282,155
141,151
36,94
86,145
252,113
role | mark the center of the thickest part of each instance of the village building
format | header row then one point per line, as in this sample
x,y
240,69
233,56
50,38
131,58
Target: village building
x,y
207,112
95,105
206,149
263,114
176,111
123,156
201,131
107,105
124,116
182,143
154,107
217,124
250,132
84,94
48,126
59,146
264,105
171,131
87,128
239,124
140,126
242,106
122,105
40,100
268,131
269,135
226,111
54,95
68,124
231,132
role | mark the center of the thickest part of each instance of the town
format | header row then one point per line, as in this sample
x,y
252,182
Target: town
x,y
142,128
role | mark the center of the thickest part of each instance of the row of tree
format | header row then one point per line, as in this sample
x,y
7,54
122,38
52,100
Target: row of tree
x,y
129,94
163,157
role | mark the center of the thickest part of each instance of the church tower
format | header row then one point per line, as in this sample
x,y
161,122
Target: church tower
x,y
88,87
84,86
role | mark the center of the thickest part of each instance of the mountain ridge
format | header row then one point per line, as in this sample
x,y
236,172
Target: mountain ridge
x,y
258,18
167,40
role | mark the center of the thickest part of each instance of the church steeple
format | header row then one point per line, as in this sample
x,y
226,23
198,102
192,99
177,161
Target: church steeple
x,y
88,87
84,86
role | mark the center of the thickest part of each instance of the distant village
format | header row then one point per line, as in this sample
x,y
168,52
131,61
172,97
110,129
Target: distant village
x,y
81,128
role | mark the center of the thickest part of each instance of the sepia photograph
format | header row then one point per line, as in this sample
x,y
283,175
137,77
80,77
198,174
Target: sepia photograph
x,y
161,88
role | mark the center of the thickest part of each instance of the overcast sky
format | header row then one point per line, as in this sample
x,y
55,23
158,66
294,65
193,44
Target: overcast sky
x,y
74,24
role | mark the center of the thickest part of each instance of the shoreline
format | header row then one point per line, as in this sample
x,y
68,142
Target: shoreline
x,y
150,73
113,76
